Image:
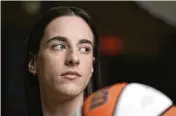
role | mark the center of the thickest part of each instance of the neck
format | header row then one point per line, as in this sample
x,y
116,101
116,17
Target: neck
x,y
54,106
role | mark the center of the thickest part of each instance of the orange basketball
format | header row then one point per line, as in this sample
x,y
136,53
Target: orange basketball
x,y
131,99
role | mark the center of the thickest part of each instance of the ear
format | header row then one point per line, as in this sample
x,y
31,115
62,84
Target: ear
x,y
92,69
93,59
32,67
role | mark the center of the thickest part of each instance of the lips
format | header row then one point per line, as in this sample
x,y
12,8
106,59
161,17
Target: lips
x,y
71,75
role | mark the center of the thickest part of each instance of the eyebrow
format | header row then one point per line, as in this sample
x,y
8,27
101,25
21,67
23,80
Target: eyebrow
x,y
64,39
83,41
58,38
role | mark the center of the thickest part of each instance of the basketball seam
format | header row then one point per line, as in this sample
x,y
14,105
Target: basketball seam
x,y
167,109
119,98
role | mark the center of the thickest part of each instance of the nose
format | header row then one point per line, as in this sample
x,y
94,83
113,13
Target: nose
x,y
72,59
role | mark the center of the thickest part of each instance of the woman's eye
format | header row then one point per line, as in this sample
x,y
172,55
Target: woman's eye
x,y
84,49
59,47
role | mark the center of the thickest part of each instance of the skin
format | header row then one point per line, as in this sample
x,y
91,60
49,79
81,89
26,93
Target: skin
x,y
67,45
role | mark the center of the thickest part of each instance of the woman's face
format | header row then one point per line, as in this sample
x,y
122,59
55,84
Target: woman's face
x,y
65,60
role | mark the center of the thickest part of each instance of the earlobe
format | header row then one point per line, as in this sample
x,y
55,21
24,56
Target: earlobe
x,y
92,70
93,59
32,67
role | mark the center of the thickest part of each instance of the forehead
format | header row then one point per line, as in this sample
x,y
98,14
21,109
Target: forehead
x,y
69,27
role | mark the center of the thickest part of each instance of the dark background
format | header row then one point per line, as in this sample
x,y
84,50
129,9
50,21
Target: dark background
x,y
147,54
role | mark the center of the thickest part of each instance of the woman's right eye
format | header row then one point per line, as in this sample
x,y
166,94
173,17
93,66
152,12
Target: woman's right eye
x,y
59,47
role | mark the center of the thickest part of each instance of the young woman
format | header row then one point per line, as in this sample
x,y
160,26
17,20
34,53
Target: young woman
x,y
62,62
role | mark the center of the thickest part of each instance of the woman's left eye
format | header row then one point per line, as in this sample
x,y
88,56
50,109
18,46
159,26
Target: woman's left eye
x,y
84,49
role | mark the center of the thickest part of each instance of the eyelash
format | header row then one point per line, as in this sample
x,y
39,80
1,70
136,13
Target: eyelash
x,y
88,48
60,49
55,45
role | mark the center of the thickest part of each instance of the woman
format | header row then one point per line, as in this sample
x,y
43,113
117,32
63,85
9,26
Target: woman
x,y
62,62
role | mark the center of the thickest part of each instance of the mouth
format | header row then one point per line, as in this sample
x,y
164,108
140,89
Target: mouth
x,y
71,75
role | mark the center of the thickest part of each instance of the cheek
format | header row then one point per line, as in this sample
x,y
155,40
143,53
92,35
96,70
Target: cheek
x,y
50,64
87,64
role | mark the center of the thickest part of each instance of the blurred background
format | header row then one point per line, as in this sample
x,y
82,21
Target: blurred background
x,y
137,44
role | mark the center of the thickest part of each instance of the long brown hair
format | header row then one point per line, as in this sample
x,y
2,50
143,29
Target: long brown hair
x,y
31,82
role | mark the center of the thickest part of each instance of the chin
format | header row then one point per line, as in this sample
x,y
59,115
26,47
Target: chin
x,y
70,89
